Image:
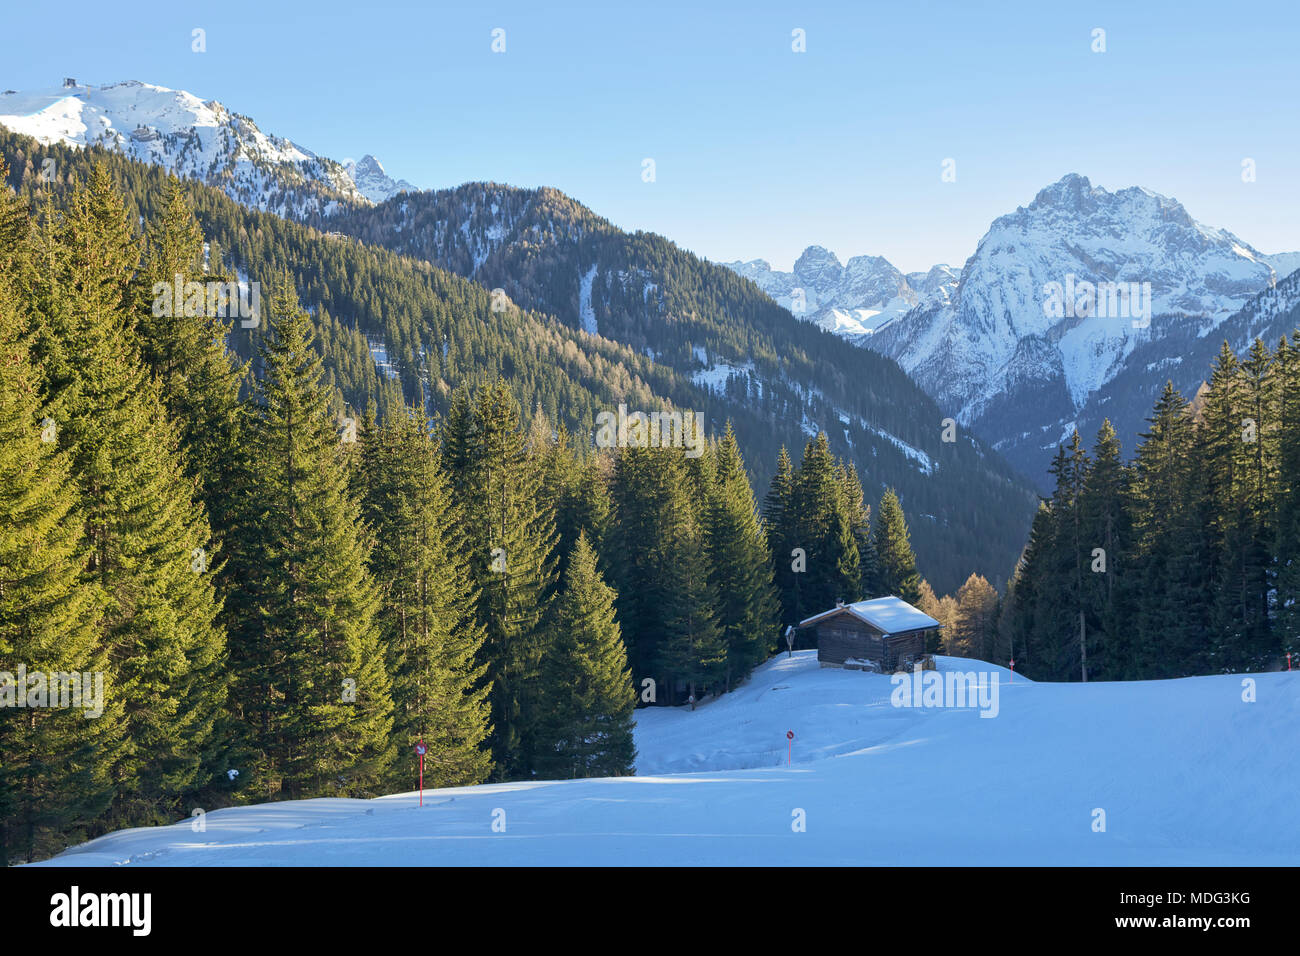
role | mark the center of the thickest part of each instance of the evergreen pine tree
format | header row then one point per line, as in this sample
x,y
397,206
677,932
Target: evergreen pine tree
x,y
1286,509
1067,627
898,574
738,565
184,345
1022,629
146,539
1254,571
587,506
1105,526
430,637
1235,444
15,229
1169,560
562,476
779,519
860,521
510,534
587,729
312,684
55,773
825,530
667,605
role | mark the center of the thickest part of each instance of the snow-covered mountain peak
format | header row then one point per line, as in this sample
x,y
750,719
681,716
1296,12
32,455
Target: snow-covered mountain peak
x,y
195,138
1071,191
818,267
373,181
1072,209
1058,297
989,342
853,299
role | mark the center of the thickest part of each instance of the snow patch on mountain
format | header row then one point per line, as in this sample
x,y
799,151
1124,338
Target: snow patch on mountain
x,y
379,352
715,376
1284,263
923,461
194,138
372,181
998,348
586,314
852,300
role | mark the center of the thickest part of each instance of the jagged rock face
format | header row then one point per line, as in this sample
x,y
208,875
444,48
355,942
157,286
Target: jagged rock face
x,y
987,344
937,285
688,330
200,139
818,268
1016,347
852,300
373,182
1021,359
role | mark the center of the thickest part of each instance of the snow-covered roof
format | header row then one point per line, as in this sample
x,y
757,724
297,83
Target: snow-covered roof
x,y
889,615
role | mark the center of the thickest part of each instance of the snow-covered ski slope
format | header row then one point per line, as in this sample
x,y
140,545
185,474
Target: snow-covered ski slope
x,y
1186,772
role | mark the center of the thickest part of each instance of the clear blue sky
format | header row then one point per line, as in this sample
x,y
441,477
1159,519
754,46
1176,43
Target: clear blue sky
x,y
759,151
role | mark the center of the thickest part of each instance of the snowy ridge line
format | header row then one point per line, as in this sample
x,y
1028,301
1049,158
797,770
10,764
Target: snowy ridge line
x,y
197,139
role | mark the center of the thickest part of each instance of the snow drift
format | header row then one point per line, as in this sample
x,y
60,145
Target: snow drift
x,y
1185,771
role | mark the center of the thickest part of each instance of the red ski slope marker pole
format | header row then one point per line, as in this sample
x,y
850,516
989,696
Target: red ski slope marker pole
x,y
421,749
789,754
1013,671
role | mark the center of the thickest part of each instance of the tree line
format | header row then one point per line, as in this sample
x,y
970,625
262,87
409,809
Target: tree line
x,y
1185,560
280,602
377,296
284,594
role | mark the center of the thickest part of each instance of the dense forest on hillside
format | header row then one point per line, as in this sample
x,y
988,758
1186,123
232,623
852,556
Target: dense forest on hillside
x,y
280,600
287,566
391,326
783,379
1185,560
1182,354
